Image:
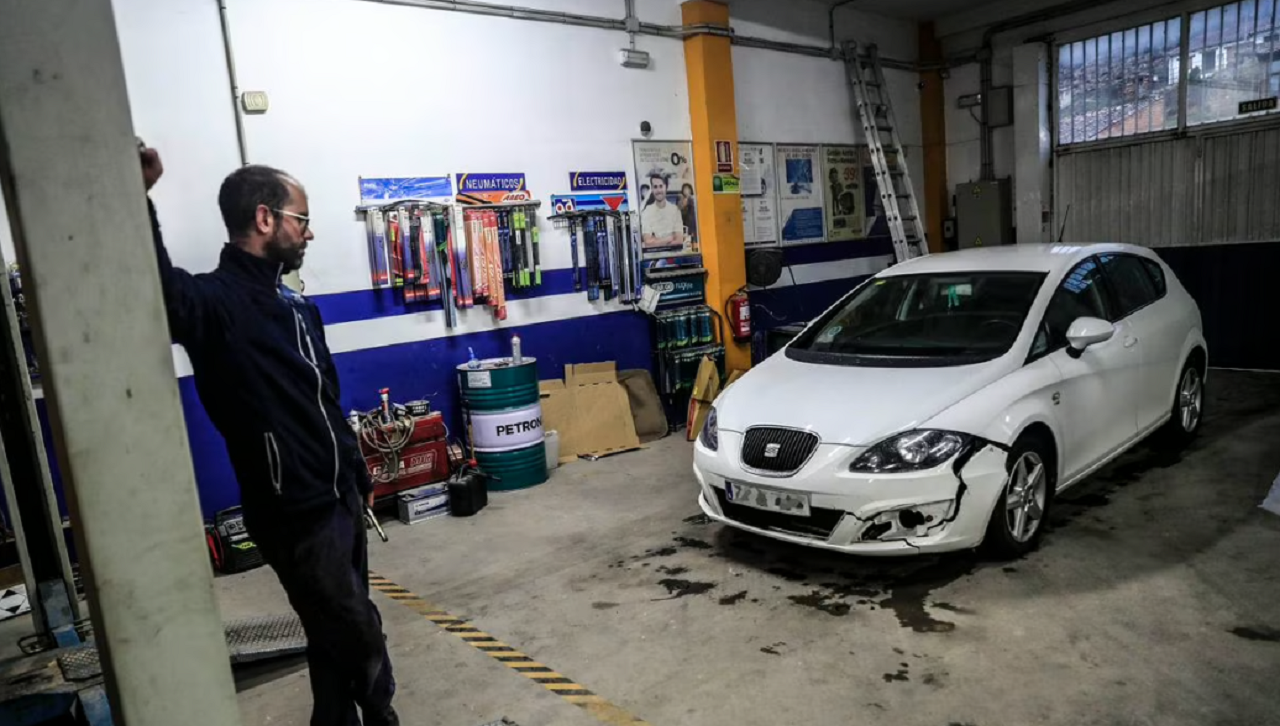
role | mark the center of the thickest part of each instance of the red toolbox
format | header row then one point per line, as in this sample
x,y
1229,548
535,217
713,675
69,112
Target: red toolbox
x,y
422,459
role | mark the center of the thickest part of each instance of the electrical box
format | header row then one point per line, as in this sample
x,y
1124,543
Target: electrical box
x,y
984,213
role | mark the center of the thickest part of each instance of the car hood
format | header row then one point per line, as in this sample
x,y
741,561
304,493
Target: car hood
x,y
850,405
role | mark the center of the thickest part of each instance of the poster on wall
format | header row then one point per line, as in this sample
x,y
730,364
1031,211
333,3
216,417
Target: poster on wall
x,y
800,194
668,205
842,169
476,189
385,190
759,197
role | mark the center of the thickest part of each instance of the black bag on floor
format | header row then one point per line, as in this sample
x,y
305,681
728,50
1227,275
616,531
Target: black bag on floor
x,y
230,545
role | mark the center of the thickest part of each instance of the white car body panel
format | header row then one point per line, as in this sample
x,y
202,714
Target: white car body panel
x,y
1095,406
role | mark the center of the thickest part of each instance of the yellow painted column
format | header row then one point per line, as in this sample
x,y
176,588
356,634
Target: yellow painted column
x,y
713,114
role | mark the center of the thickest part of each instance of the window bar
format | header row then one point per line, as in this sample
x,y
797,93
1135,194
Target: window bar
x,y
1124,83
1111,75
1151,74
1184,60
1079,103
1235,65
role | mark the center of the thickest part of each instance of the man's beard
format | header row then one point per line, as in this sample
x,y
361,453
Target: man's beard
x,y
288,257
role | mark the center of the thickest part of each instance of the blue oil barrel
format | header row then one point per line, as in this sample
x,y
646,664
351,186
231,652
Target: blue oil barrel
x,y
503,412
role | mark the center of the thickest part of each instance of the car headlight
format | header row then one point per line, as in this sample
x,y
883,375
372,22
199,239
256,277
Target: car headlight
x,y
710,435
910,451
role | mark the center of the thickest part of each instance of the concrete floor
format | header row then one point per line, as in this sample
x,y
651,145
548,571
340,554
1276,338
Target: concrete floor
x,y
1152,601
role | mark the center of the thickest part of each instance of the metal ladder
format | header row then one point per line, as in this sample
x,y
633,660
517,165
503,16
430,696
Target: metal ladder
x,y
888,155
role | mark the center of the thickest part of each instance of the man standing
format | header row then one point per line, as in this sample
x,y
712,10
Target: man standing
x,y
661,223
268,383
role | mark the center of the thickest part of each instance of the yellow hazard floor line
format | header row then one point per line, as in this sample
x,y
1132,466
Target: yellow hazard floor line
x,y
564,687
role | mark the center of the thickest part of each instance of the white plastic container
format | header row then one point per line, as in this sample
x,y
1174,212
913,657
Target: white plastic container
x,y
553,449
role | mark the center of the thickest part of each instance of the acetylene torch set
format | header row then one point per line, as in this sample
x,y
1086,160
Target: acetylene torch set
x,y
420,247
411,457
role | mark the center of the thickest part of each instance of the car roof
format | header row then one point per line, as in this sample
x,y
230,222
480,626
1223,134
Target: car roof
x,y
1049,258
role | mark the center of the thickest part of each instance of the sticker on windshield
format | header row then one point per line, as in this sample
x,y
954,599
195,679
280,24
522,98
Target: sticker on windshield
x,y
830,334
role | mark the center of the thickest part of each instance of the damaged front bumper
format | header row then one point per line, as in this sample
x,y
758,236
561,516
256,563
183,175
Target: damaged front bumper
x,y
941,509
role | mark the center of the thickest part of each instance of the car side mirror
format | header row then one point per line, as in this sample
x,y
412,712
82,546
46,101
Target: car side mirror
x,y
1085,332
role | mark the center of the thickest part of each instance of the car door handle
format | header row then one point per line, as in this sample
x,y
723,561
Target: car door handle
x,y
1130,341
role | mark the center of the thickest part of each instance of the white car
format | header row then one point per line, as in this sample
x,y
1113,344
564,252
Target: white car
x,y
944,402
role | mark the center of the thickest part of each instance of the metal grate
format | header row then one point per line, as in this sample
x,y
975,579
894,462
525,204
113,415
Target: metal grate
x,y
80,663
777,450
818,525
270,636
248,640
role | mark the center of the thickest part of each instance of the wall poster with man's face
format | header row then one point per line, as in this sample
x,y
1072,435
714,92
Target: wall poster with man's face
x,y
666,201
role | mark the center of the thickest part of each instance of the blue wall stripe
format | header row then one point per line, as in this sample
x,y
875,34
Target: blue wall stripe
x,y
427,369
357,305
778,306
835,251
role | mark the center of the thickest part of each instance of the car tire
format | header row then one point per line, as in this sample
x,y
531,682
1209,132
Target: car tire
x,y
1021,511
1188,407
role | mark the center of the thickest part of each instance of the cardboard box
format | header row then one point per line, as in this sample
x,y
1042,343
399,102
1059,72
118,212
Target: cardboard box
x,y
590,410
705,389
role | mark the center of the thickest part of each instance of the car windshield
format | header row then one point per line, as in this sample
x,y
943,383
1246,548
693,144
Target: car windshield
x,y
953,318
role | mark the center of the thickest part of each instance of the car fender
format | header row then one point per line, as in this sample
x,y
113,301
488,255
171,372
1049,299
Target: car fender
x,y
1194,339
1002,411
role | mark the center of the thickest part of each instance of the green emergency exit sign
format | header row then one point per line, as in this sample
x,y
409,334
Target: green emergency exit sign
x,y
1261,104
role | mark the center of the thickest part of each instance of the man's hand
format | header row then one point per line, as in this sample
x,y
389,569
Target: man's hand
x,y
152,168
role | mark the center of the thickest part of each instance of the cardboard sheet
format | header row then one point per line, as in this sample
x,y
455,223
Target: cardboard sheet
x,y
590,410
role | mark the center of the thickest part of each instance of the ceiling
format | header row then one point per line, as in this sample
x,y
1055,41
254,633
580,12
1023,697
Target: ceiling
x,y
905,9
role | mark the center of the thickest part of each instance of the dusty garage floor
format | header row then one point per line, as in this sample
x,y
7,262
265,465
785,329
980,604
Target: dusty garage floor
x,y
1153,601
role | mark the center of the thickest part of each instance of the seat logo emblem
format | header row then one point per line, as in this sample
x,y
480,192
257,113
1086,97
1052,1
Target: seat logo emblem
x,y
771,450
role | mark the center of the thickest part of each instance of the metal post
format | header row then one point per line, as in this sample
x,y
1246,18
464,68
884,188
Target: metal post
x,y
69,163
28,488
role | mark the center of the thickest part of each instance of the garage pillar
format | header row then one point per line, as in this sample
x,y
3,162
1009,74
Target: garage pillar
x,y
1031,142
933,130
713,115
72,182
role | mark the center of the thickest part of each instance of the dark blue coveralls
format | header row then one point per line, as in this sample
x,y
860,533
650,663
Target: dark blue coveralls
x,y
266,379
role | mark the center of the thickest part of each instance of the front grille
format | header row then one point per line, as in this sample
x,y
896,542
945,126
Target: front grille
x,y
790,449
818,525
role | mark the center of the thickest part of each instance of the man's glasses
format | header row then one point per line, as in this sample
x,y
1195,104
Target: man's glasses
x,y
303,221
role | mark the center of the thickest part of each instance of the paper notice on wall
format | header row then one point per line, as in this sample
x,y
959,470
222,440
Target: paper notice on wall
x,y
800,194
846,209
759,195
759,221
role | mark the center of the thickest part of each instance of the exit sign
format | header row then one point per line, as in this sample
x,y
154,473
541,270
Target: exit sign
x,y
1261,104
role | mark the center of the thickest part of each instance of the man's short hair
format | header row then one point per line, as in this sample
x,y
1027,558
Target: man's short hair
x,y
245,189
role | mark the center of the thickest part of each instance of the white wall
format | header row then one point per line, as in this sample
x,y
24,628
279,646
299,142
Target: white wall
x,y
787,98
359,88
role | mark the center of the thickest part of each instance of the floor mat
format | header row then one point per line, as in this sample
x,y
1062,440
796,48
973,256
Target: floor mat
x,y
13,602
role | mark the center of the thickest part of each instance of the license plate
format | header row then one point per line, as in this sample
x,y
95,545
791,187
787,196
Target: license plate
x,y
770,500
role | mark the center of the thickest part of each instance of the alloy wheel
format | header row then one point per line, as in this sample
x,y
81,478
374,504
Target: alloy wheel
x,y
1026,492
1190,399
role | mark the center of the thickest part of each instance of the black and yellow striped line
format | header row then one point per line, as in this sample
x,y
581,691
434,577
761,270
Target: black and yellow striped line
x,y
566,688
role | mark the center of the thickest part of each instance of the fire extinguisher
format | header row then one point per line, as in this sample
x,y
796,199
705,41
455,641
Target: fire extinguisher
x,y
738,308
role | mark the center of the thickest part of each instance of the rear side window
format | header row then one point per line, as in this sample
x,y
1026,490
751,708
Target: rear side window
x,y
1081,295
1157,276
1132,284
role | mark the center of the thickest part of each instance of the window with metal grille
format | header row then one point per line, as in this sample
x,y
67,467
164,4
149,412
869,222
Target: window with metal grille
x,y
1233,59
1119,84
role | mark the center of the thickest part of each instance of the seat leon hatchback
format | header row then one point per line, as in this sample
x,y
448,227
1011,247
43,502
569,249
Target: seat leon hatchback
x,y
944,402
